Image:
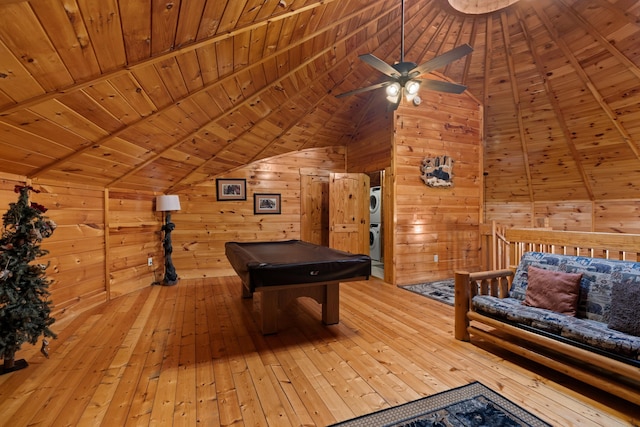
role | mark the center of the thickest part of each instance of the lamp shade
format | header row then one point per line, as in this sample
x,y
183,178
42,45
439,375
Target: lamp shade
x,y
393,89
412,87
167,203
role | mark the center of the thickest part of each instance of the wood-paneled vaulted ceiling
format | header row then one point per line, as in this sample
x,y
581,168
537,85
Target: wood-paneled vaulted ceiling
x,y
160,95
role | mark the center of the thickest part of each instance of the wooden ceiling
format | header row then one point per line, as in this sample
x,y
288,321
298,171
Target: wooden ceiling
x,y
161,95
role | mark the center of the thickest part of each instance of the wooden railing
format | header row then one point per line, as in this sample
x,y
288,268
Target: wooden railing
x,y
502,248
494,247
599,245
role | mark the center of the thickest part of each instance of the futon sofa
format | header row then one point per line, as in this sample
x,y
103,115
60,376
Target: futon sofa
x,y
576,314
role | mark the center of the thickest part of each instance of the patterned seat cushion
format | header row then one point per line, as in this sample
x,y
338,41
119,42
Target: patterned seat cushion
x,y
598,335
585,331
514,311
589,327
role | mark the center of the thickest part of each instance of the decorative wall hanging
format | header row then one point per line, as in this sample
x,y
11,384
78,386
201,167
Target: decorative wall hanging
x,y
231,189
437,171
266,203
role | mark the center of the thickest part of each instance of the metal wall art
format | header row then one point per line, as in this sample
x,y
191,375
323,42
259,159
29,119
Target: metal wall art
x,y
437,171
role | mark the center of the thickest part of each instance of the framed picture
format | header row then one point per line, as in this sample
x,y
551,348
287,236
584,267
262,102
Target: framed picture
x,y
266,203
231,189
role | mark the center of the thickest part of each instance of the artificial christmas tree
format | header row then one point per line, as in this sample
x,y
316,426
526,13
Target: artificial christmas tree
x,y
24,294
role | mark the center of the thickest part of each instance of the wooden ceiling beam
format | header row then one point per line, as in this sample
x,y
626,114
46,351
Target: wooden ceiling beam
x,y
580,72
255,95
516,100
176,187
593,32
414,17
205,88
156,59
620,13
458,42
488,51
553,100
433,38
467,64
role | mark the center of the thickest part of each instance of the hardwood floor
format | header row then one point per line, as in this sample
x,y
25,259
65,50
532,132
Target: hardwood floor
x,y
191,355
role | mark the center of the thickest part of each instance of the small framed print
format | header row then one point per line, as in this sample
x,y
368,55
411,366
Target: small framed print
x,y
231,189
266,203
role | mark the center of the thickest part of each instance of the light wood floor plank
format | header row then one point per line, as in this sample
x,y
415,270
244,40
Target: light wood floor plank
x,y
185,412
192,354
81,371
206,403
143,398
21,388
120,404
228,403
106,391
164,403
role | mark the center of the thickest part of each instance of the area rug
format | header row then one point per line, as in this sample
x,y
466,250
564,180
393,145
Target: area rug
x,y
470,405
442,290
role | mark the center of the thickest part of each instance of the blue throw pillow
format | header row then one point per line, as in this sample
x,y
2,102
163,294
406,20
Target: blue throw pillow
x,y
625,301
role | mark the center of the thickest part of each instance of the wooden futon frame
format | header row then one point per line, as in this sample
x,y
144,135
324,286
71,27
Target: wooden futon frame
x,y
609,374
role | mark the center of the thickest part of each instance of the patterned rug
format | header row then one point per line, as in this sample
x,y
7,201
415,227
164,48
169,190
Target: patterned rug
x,y
470,405
441,290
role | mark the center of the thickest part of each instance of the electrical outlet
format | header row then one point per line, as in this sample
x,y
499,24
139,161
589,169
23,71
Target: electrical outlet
x,y
149,261
435,258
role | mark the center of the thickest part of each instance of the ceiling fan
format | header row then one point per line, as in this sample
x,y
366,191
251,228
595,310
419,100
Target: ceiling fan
x,y
403,76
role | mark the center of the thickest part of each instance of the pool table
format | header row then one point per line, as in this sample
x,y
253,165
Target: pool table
x,y
283,270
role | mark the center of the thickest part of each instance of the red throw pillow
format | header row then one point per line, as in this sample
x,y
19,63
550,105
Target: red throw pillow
x,y
553,290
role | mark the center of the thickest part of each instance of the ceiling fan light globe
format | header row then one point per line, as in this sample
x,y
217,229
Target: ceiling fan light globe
x,y
393,89
412,87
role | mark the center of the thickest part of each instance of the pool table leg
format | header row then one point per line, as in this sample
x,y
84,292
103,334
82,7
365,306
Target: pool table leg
x,y
272,299
269,303
331,304
246,293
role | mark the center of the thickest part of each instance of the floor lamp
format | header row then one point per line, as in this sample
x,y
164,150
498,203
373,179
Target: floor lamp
x,y
168,204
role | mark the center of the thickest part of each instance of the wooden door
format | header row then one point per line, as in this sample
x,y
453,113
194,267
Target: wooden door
x,y
314,208
388,224
349,212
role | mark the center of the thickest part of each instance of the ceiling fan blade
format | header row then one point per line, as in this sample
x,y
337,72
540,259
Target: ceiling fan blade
x,y
379,65
363,89
441,60
443,86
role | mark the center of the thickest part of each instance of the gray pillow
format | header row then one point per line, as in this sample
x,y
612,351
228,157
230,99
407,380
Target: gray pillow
x,y
625,302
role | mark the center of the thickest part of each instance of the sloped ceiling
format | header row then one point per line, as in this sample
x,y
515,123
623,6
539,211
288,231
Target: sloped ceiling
x,y
160,95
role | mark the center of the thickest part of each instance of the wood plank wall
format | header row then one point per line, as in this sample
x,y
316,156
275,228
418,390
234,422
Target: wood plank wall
x,y
370,149
437,221
134,236
205,224
429,221
83,271
104,238
608,216
77,247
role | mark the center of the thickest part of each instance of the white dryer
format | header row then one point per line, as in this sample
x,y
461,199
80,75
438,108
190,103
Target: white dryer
x,y
375,205
375,242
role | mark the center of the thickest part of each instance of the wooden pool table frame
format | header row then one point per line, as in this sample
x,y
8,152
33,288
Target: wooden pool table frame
x,y
274,298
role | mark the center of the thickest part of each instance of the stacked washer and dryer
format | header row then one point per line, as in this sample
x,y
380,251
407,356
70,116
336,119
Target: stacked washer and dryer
x,y
375,228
